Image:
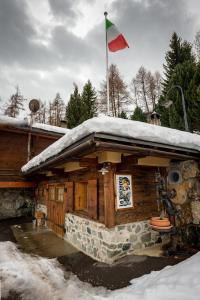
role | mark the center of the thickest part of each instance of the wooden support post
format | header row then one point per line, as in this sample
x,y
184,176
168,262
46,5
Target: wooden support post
x,y
109,198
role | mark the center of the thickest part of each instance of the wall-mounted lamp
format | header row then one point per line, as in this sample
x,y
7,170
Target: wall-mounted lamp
x,y
104,169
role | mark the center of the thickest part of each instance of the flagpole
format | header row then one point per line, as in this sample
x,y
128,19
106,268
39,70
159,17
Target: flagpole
x,y
107,70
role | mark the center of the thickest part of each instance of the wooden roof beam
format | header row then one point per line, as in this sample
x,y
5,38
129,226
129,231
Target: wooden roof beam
x,y
151,151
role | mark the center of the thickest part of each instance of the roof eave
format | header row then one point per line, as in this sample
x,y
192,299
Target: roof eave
x,y
92,142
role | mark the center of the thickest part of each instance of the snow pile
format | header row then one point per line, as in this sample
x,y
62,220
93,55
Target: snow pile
x,y
179,282
39,278
119,127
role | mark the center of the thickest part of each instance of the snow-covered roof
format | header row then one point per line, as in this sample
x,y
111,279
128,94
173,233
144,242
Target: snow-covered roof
x,y
50,128
118,127
14,122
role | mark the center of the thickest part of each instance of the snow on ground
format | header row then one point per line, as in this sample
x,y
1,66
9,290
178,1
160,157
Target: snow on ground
x,y
119,127
41,278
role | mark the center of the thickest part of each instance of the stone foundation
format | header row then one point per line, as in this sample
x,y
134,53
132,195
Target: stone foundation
x,y
15,202
187,199
107,244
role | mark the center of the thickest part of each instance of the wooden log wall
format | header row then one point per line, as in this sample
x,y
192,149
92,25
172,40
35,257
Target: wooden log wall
x,y
13,152
144,194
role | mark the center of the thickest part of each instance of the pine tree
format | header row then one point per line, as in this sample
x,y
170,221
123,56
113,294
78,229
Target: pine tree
x,y
178,53
123,115
88,102
193,95
74,109
15,104
138,115
178,58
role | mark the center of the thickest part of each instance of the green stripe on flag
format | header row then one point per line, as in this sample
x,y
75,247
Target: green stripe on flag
x,y
108,24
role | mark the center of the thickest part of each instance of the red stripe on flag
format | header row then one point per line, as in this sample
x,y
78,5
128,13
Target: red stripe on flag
x,y
118,44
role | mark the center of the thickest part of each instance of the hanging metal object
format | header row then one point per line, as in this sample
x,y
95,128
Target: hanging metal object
x,y
34,105
104,169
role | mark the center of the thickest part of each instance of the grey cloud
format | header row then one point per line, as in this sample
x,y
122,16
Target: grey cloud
x,y
71,49
16,37
64,9
147,25
18,46
15,29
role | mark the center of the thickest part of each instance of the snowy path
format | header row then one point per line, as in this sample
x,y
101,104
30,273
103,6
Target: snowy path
x,y
40,278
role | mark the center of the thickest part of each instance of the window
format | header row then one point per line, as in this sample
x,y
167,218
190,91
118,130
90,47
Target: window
x,y
41,194
81,196
52,193
60,193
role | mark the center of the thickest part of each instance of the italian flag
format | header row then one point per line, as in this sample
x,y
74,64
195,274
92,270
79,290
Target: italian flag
x,y
116,40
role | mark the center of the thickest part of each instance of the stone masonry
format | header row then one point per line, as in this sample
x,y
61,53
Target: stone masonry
x,y
15,202
107,244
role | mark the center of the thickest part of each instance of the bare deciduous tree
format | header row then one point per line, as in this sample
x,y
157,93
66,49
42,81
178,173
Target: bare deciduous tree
x,y
14,104
118,92
197,45
146,88
41,115
56,111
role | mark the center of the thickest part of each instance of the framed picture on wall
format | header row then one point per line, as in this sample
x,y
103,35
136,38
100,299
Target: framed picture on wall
x,y
124,191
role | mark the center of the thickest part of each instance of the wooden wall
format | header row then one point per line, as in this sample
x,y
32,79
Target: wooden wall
x,y
144,194
13,152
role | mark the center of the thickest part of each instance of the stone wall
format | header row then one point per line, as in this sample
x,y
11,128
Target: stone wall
x,y
187,199
15,202
105,244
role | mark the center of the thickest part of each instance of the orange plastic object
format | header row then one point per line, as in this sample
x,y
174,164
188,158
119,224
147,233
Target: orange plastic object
x,y
39,215
158,222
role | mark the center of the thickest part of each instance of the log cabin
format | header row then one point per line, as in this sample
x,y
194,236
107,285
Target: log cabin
x,y
97,185
15,189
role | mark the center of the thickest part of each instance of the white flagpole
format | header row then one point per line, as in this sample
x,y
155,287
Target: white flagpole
x,y
107,70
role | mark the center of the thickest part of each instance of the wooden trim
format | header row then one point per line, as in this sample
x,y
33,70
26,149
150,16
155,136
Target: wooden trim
x,y
69,207
17,184
109,198
92,198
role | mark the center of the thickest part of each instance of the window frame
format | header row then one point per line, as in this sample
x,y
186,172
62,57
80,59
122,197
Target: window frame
x,y
51,187
57,188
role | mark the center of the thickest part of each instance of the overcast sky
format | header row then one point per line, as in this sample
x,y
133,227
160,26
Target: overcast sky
x,y
46,45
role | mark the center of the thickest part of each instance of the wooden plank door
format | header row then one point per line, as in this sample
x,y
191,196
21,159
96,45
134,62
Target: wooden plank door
x,y
56,205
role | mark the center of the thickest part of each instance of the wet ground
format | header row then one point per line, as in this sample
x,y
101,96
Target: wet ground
x,y
46,243
118,274
6,233
41,241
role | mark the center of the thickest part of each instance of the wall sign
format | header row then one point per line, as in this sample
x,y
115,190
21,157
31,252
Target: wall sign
x,y
124,191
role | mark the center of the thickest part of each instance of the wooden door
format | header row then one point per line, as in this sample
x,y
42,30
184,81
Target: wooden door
x,y
56,205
